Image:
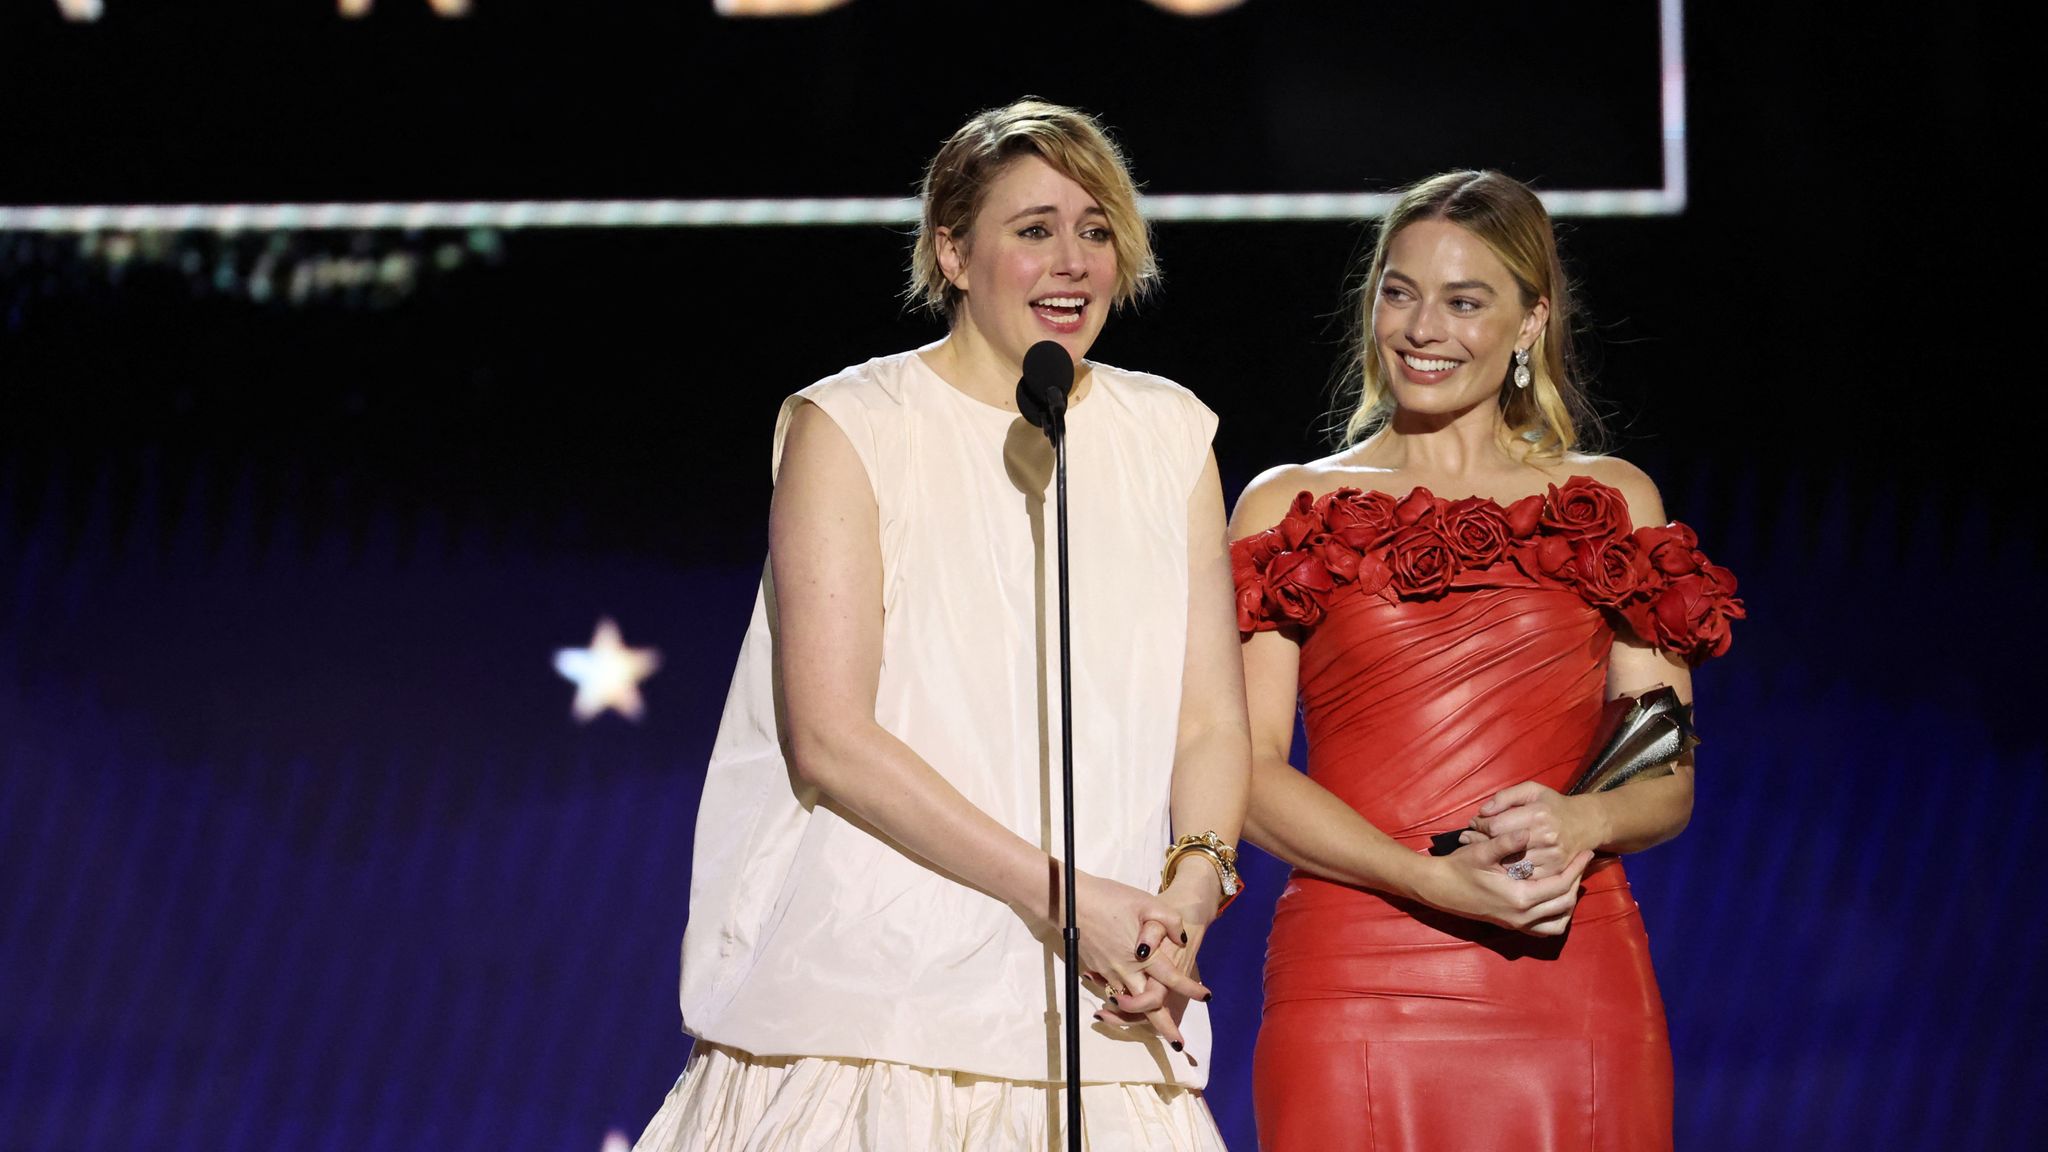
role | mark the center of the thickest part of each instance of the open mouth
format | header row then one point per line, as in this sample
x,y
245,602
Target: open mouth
x,y
1062,313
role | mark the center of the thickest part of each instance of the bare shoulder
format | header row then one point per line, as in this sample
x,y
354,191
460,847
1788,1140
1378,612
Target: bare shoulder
x,y
1645,504
814,448
1264,501
811,429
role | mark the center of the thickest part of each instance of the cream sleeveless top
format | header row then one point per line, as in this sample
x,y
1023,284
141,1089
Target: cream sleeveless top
x,y
811,935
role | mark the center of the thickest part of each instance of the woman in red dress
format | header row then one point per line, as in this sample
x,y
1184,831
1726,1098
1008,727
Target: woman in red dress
x,y
1451,600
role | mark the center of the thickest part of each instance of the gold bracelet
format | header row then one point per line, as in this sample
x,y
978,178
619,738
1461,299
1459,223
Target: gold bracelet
x,y
1219,852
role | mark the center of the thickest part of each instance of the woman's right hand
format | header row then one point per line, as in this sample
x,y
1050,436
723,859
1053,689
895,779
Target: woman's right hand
x,y
1470,882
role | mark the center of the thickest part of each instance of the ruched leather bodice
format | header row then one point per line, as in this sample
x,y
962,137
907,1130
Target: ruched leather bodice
x,y
1416,712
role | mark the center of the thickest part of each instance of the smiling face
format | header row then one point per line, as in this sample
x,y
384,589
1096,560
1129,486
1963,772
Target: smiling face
x,y
1447,318
1039,263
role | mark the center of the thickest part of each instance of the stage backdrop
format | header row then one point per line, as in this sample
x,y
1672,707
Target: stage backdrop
x,y
300,843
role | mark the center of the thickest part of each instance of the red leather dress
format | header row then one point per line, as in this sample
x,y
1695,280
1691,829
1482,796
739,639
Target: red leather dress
x,y
1450,650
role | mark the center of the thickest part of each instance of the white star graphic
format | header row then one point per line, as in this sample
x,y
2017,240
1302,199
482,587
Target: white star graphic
x,y
607,674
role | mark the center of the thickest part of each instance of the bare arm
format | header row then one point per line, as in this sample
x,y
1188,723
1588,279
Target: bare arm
x,y
825,552
1211,777
1644,813
1211,773
824,548
1292,816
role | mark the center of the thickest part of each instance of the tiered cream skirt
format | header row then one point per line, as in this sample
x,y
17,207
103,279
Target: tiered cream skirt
x,y
729,1101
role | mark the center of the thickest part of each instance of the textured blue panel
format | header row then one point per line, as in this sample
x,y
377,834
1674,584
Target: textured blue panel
x,y
300,849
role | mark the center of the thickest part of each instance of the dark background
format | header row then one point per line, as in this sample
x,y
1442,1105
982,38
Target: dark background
x,y
298,845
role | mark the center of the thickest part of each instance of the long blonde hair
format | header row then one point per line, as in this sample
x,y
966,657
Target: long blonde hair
x,y
1552,414
1074,144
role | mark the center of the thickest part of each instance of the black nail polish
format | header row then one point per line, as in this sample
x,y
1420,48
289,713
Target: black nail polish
x,y
1183,937
1144,951
1176,1046
1208,996
1111,1001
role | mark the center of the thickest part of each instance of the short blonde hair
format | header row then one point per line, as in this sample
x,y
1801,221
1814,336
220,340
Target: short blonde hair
x,y
1074,144
1552,414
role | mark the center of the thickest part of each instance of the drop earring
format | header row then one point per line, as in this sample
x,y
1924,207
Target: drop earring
x,y
1522,373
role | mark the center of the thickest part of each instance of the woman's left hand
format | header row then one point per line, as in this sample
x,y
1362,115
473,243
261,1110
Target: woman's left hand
x,y
1559,826
1195,893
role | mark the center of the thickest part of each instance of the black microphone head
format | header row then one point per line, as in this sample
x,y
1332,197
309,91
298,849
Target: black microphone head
x,y
1048,378
1048,364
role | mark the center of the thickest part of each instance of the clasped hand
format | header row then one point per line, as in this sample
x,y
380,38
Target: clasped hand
x,y
1559,827
1528,824
1138,949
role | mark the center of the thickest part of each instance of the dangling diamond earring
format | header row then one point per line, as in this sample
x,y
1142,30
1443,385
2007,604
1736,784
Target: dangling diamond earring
x,y
1522,373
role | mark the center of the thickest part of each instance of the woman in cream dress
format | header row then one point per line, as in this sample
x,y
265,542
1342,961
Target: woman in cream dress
x,y
873,956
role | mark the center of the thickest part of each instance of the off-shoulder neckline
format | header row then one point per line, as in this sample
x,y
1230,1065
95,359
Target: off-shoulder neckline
x,y
1313,496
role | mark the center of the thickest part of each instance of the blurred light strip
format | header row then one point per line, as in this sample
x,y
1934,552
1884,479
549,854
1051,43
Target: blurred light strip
x,y
230,218
1666,201
461,214
1671,42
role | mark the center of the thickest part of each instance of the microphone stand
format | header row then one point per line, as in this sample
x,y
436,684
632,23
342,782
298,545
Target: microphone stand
x,y
1042,400
1056,430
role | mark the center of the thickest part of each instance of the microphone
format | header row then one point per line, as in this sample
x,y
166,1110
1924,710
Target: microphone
x,y
1042,393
